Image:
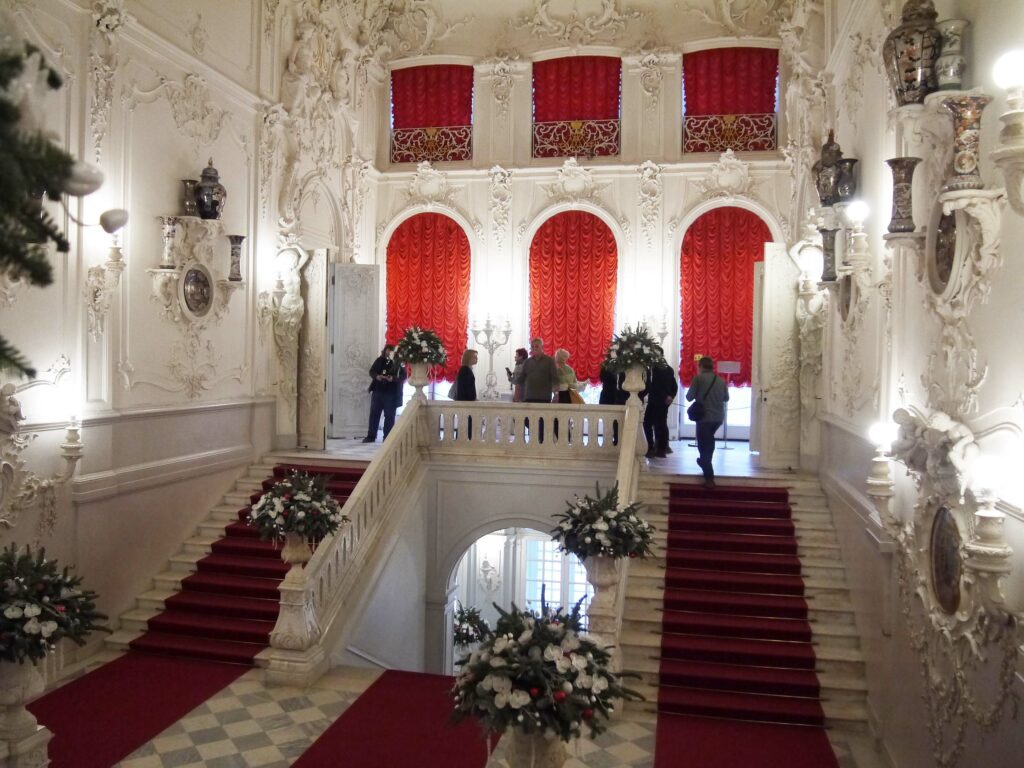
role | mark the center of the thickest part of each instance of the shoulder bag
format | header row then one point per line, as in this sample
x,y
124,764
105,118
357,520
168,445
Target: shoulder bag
x,y
696,410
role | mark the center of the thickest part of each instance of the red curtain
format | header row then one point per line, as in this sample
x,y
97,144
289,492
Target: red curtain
x,y
576,88
573,277
717,286
432,96
730,81
428,282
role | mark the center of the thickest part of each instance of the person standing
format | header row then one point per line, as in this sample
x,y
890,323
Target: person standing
x,y
565,376
515,376
384,380
662,389
540,380
709,390
612,394
465,384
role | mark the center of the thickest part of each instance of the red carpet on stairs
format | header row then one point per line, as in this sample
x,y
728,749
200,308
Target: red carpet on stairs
x,y
226,610
401,720
737,687
103,716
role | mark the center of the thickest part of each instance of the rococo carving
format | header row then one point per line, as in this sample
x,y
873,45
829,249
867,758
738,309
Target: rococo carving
x,y
574,184
577,29
500,204
729,177
649,193
108,16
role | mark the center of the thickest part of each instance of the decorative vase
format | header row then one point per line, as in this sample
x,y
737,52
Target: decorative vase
x,y
188,196
950,66
826,171
236,257
902,193
210,194
846,183
169,228
295,551
603,576
828,250
19,682
910,51
633,383
419,378
966,111
533,750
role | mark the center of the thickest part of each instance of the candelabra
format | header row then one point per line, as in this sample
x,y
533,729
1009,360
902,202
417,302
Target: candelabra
x,y
484,335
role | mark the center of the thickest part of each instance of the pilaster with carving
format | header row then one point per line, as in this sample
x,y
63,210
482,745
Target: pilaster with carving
x,y
500,204
108,17
649,194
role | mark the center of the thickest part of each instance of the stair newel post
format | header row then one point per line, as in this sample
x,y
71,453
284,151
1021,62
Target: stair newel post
x,y
296,656
603,574
634,384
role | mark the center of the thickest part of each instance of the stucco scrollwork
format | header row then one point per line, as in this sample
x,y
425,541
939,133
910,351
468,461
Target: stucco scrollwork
x,y
500,203
108,17
649,192
503,80
574,183
952,558
729,177
738,17
576,29
429,185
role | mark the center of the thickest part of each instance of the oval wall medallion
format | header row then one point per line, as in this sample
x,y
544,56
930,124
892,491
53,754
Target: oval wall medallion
x,y
946,563
197,290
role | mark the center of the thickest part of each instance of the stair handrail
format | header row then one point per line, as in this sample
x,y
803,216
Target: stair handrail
x,y
312,597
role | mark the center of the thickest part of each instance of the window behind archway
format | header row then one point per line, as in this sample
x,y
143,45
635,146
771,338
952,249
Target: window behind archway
x,y
573,282
717,285
428,269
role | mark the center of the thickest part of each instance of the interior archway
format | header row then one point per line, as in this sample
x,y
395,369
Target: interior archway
x,y
428,279
573,284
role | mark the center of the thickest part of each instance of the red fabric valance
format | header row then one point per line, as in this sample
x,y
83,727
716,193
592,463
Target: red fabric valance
x,y
576,88
730,81
717,286
428,282
432,96
573,278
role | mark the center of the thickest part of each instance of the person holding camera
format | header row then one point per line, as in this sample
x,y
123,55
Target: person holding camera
x,y
386,380
710,395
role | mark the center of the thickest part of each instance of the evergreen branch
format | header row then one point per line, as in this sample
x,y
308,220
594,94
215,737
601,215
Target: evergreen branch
x,y
12,361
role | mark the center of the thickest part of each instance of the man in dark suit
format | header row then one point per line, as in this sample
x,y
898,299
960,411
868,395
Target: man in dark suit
x,y
386,380
662,389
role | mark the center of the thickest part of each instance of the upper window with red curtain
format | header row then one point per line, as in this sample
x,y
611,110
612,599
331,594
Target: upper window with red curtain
x,y
576,106
432,113
729,99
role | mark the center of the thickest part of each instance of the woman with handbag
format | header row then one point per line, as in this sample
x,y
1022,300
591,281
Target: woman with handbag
x,y
565,377
710,395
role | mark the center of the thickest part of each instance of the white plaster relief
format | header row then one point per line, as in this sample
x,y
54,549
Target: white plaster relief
x,y
740,18
500,204
576,29
649,193
108,17
729,177
503,80
573,184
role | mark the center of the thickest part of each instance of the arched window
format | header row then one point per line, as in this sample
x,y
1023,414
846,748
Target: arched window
x,y
573,280
428,265
717,284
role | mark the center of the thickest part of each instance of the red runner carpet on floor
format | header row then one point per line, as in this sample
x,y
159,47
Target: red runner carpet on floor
x,y
104,716
401,720
737,682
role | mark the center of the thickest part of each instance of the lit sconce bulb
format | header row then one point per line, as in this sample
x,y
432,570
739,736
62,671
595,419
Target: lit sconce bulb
x,y
882,434
857,212
1008,71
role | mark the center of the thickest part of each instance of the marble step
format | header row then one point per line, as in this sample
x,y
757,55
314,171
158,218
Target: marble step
x,y
804,537
651,575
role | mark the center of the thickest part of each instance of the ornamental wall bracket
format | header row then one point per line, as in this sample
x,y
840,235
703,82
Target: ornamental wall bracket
x,y
729,177
100,283
952,557
574,184
576,29
20,488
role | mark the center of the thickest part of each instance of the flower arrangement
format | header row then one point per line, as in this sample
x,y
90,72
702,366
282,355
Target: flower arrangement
x,y
40,606
600,526
469,627
539,673
630,348
421,345
298,504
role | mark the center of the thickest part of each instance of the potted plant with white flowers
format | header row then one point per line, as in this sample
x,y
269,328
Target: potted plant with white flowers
x,y
421,348
633,352
40,605
300,510
538,678
600,531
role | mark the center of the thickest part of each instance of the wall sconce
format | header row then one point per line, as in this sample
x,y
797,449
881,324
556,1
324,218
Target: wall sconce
x,y
1008,74
880,481
101,281
21,489
858,254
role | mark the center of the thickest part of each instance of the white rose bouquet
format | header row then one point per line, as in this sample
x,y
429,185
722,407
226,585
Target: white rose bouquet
x,y
600,526
630,348
40,606
297,504
538,673
421,345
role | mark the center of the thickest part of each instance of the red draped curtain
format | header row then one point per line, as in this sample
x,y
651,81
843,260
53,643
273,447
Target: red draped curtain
x,y
576,98
573,278
432,113
428,282
717,285
737,82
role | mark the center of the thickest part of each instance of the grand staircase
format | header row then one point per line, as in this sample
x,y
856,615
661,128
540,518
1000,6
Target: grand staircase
x,y
218,599
748,616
